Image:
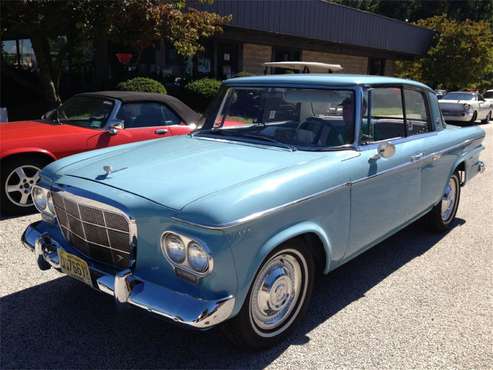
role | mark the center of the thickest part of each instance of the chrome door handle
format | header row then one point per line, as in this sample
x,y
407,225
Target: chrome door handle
x,y
417,157
161,131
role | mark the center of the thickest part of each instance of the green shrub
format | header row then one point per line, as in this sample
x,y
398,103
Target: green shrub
x,y
205,88
142,84
199,93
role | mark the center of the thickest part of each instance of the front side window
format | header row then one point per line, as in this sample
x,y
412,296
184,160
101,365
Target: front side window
x,y
488,95
416,112
305,119
84,111
386,120
146,114
438,120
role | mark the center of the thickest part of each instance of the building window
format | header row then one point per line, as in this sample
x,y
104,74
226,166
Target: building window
x,y
376,66
19,53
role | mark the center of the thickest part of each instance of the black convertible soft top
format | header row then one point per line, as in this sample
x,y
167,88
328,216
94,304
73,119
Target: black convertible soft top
x,y
184,111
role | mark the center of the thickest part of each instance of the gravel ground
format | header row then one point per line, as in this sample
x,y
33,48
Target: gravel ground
x,y
417,300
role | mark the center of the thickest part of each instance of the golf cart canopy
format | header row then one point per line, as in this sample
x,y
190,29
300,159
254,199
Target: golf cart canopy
x,y
306,67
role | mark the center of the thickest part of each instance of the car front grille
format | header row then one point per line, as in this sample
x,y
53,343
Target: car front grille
x,y
97,230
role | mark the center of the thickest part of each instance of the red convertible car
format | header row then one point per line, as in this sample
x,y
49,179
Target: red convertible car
x,y
84,122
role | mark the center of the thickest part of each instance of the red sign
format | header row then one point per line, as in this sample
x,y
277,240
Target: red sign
x,y
124,58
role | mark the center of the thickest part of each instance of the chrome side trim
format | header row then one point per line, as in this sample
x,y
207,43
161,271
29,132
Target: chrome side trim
x,y
264,213
260,214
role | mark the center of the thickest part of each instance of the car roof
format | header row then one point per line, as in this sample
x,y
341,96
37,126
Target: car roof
x,y
184,111
329,79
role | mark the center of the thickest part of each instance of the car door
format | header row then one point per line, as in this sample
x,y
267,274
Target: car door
x,y
483,107
385,192
140,121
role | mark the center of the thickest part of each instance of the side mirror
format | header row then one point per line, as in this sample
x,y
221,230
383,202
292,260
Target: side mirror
x,y
114,127
384,150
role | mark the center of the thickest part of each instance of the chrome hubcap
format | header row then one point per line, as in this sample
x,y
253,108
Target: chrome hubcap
x,y
19,184
277,291
449,199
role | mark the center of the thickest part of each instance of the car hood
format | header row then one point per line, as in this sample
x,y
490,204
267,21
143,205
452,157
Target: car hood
x,y
454,101
34,130
176,171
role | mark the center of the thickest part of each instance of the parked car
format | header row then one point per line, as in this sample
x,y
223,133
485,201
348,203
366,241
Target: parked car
x,y
488,96
465,106
84,122
440,93
230,225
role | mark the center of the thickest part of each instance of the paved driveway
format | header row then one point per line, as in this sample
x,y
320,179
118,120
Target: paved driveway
x,y
416,300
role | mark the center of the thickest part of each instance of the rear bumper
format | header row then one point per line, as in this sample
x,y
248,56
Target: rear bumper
x,y
130,289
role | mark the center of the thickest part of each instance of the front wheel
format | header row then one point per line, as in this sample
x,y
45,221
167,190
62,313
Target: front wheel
x,y
277,299
474,117
442,215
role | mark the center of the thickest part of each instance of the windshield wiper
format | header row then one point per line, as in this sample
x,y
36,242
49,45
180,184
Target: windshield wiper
x,y
269,139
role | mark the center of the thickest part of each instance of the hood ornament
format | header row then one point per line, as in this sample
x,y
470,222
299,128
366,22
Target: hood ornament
x,y
108,170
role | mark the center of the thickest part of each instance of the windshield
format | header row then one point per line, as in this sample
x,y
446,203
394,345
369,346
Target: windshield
x,y
458,96
297,118
85,111
488,95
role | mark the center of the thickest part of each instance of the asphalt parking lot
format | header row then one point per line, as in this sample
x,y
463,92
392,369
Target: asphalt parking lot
x,y
417,300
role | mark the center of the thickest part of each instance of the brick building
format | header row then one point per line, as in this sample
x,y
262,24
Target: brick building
x,y
309,30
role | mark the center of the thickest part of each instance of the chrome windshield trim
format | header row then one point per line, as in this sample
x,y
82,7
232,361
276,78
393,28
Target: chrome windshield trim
x,y
239,142
260,214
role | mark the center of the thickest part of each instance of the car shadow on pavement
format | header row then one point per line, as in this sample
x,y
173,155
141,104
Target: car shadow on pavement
x,y
63,324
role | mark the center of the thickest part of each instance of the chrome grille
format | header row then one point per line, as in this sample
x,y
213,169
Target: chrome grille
x,y
97,230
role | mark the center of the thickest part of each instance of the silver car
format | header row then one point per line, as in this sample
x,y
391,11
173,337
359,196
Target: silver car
x,y
466,106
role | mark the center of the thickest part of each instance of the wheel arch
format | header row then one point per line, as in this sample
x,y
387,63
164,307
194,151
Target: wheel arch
x,y
315,238
26,153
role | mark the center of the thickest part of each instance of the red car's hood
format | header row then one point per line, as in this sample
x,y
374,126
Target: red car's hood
x,y
25,130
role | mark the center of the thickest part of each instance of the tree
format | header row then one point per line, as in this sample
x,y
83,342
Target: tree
x,y
133,23
461,55
413,10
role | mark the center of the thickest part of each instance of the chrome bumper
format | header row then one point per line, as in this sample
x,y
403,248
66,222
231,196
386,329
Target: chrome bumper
x,y
459,117
481,167
128,288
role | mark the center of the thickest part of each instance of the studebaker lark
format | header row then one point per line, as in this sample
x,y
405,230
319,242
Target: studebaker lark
x,y
231,224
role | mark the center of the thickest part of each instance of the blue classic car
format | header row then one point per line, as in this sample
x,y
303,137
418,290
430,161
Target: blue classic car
x,y
289,177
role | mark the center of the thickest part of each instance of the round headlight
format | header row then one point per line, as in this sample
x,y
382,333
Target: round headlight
x,y
467,107
49,201
175,249
39,198
198,259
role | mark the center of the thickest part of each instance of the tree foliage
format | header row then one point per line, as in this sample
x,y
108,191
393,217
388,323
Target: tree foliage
x,y
461,55
133,24
413,10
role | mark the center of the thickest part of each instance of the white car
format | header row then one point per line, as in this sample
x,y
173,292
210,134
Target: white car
x,y
488,96
466,106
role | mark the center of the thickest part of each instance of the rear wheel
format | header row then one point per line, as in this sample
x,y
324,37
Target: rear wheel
x,y
18,175
277,299
487,119
442,215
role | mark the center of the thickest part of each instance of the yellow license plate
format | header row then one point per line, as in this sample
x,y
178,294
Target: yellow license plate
x,y
74,266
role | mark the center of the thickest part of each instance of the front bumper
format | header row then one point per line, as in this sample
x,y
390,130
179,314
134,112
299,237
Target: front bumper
x,y
128,288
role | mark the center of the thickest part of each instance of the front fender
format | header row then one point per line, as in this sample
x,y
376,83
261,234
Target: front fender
x,y
292,232
27,150
245,281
